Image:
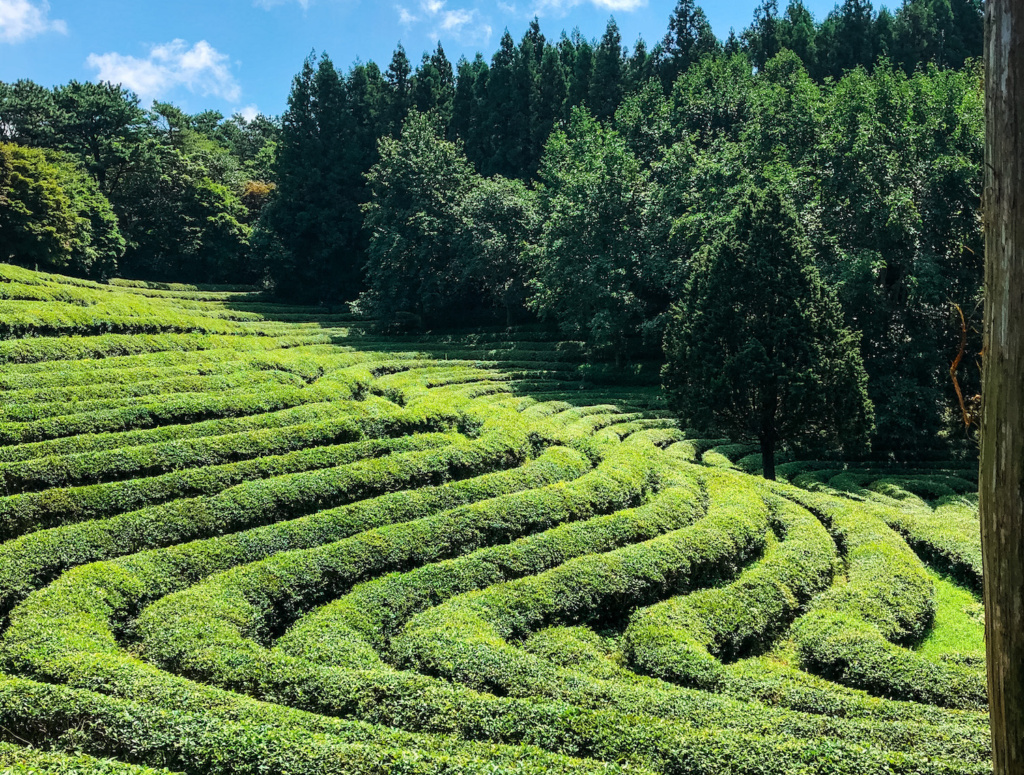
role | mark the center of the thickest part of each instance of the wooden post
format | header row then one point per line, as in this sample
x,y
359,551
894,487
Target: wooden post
x,y
1002,430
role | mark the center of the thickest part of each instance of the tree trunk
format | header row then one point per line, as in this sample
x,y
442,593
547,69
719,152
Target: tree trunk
x,y
768,456
1002,431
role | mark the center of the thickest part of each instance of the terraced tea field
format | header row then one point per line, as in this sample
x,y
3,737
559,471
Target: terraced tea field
x,y
247,538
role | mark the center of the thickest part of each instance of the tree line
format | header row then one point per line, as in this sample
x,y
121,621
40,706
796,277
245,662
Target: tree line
x,y
586,184
93,184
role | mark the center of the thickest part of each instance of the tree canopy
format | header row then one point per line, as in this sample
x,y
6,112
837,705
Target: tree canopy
x,y
757,348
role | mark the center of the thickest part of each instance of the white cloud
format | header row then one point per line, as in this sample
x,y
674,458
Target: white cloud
x,y
200,69
464,24
268,4
405,16
561,7
249,112
22,19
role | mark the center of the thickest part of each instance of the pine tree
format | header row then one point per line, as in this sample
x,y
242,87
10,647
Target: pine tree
x,y
549,108
582,70
689,38
606,84
400,96
797,32
762,37
757,348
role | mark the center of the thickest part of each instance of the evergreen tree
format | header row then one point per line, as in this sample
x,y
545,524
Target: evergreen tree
x,y
501,100
400,97
533,44
313,227
757,348
479,143
433,86
884,31
689,39
524,155
797,32
463,101
762,38
606,84
27,114
549,108
582,70
732,45
102,124
852,41
639,68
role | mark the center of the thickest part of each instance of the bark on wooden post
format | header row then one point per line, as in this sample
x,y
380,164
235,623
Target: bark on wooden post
x,y
1002,441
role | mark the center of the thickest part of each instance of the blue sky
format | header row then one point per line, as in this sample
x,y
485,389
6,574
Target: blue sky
x,y
240,55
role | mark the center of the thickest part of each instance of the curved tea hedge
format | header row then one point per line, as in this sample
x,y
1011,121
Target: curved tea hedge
x,y
238,537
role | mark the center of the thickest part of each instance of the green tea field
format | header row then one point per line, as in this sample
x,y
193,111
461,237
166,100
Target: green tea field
x,y
241,537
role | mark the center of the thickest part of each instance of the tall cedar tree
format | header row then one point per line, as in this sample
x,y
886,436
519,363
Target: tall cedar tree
x,y
689,39
757,347
315,216
606,84
433,86
762,38
399,78
550,98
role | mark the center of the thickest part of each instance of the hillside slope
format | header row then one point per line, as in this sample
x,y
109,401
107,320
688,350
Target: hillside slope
x,y
239,537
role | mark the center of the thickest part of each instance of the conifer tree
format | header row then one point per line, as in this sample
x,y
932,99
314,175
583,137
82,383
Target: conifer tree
x,y
797,32
689,38
639,68
762,37
582,70
398,75
606,84
433,86
463,101
550,99
732,45
314,220
757,348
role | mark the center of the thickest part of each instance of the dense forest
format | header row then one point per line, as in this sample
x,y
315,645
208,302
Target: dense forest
x,y
583,183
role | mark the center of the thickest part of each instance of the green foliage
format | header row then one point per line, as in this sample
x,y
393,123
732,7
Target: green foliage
x,y
52,215
173,180
420,568
683,639
592,272
415,189
757,347
853,634
499,220
310,234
